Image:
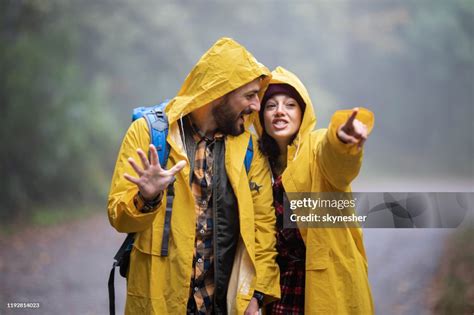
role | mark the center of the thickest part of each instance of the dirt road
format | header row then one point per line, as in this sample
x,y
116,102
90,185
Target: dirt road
x,y
65,268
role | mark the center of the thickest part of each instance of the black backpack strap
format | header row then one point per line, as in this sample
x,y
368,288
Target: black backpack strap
x,y
126,246
122,259
167,224
111,285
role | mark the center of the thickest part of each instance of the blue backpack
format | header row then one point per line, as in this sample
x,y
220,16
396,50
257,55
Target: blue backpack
x,y
158,126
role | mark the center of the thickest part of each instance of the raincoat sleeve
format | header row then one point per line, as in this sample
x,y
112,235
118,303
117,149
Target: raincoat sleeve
x,y
339,162
268,273
123,215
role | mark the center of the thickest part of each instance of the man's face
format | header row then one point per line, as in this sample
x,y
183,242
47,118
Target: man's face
x,y
229,114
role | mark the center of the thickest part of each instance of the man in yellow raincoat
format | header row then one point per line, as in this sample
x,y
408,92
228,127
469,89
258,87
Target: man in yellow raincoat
x,y
222,240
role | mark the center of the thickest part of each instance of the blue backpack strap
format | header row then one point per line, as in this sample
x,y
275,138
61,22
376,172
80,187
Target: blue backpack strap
x,y
158,125
249,155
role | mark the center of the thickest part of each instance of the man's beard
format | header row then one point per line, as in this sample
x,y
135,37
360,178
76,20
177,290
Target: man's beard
x,y
227,120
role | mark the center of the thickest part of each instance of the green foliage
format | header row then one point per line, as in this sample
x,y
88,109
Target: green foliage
x,y
71,71
55,125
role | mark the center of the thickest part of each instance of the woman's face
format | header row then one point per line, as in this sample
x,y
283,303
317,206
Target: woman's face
x,y
282,117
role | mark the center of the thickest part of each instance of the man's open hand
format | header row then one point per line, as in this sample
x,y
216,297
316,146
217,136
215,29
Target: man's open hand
x,y
152,179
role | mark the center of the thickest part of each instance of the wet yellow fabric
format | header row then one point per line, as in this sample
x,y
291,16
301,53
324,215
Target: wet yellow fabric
x,y
336,264
160,285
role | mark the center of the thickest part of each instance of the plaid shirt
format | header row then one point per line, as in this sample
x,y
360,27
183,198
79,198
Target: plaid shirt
x,y
202,277
291,259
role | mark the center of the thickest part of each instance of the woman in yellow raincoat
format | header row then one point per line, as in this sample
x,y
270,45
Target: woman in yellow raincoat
x,y
323,270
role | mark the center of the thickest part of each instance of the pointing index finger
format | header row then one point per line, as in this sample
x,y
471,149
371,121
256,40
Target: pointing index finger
x,y
350,120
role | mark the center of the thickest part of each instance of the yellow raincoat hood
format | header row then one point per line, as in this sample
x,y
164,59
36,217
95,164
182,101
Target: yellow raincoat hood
x,y
226,66
282,76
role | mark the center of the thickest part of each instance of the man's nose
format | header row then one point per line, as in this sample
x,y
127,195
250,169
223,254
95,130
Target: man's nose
x,y
255,104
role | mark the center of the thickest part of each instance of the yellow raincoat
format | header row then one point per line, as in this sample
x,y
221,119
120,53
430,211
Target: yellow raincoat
x,y
336,263
160,285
